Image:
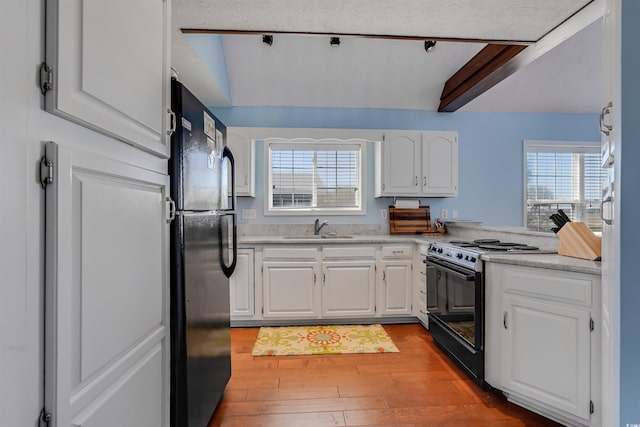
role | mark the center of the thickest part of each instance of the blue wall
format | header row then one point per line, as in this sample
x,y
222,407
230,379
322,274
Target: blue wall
x,y
490,153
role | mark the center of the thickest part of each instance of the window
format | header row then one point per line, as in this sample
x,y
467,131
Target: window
x,y
311,177
562,175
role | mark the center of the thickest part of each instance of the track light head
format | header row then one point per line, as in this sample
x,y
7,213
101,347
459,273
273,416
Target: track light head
x,y
267,39
334,41
429,45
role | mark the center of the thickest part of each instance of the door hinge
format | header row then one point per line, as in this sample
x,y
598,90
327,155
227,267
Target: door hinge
x,y
46,172
46,78
591,324
171,209
591,407
45,417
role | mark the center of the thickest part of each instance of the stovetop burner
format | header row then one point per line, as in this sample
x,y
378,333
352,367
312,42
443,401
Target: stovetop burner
x,y
467,253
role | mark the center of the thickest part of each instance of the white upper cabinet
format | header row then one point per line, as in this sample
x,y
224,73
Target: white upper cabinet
x,y
400,164
110,68
243,148
417,164
440,163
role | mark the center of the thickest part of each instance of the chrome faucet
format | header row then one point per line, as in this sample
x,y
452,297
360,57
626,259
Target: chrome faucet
x,y
317,226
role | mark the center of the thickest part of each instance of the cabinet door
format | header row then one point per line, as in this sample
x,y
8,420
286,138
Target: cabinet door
x,y
546,353
241,283
396,288
348,288
110,68
440,163
401,163
289,289
242,147
106,302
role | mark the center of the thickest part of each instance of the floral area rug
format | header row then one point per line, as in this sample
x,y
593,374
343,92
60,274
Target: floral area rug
x,y
327,339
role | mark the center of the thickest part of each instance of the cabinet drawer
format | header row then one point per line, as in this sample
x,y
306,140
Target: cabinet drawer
x,y
573,288
349,252
290,253
397,252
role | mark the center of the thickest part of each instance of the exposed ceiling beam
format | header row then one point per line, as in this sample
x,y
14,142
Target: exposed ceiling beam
x,y
495,63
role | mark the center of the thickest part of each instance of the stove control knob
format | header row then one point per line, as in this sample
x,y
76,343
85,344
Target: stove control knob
x,y
459,256
473,259
466,258
440,250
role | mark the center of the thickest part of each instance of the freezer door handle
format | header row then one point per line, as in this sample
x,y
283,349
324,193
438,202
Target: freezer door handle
x,y
229,269
226,153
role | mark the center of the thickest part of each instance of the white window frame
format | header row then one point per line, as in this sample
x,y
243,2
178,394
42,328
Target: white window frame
x,y
314,144
529,146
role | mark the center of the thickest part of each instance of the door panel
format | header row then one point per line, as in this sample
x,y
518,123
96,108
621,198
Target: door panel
x,y
106,291
127,99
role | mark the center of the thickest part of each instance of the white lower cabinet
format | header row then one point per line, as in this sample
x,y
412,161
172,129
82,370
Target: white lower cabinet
x,y
541,347
347,288
289,289
242,286
546,353
290,283
395,280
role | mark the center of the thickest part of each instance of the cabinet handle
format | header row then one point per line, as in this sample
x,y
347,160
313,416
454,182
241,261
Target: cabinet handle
x,y
246,179
384,276
172,122
314,278
605,128
609,199
424,181
416,180
422,292
424,312
504,320
324,278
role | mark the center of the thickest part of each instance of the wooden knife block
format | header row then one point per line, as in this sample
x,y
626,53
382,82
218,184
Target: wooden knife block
x,y
578,241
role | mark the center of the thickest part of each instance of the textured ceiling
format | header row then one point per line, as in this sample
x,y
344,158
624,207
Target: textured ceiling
x,y
526,20
377,73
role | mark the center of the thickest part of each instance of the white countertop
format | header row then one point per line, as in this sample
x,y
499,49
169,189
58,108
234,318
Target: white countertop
x,y
552,261
312,240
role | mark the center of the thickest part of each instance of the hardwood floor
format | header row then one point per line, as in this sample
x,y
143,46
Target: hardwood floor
x,y
418,386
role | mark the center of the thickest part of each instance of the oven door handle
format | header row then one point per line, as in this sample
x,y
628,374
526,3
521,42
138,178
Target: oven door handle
x,y
467,277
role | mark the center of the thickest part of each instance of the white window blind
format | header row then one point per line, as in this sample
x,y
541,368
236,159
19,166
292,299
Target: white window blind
x,y
315,177
563,176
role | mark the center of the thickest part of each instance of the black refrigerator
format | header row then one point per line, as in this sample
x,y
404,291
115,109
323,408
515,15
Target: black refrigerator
x,y
203,257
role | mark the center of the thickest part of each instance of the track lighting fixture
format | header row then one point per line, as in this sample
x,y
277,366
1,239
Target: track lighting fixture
x,y
335,41
429,45
267,39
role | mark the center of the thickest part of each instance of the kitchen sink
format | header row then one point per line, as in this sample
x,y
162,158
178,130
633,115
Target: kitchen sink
x,y
317,237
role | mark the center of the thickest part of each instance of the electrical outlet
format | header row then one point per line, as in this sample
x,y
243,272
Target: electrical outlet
x,y
444,213
384,213
248,214
454,213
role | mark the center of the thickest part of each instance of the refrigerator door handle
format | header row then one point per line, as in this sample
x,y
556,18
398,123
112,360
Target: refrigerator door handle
x,y
229,269
227,153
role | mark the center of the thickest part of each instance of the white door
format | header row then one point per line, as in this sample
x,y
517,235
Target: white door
x,y
610,137
348,288
401,163
243,149
546,354
241,286
396,288
290,289
106,305
440,163
110,68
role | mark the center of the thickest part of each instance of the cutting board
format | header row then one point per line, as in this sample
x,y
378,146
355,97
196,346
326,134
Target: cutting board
x,y
409,221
